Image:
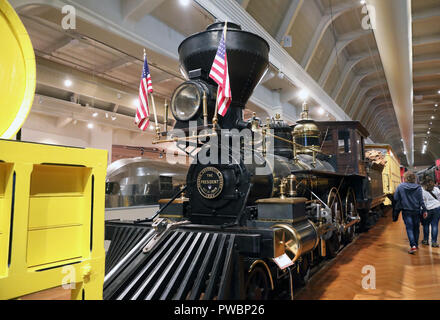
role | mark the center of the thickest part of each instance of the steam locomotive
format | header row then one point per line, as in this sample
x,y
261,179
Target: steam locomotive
x,y
254,216
433,172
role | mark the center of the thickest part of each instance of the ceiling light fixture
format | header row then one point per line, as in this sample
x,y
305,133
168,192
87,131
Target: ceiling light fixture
x,y
95,114
184,3
303,94
67,82
113,118
321,111
90,125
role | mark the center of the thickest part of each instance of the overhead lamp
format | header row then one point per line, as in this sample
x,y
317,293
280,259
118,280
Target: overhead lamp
x,y
321,111
95,114
67,82
151,127
432,117
362,2
113,118
136,102
436,105
184,3
90,125
303,94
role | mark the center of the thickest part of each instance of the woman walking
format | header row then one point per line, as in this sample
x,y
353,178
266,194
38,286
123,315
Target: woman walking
x,y
431,197
408,199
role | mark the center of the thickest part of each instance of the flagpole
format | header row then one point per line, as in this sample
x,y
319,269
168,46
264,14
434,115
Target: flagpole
x,y
166,116
215,119
154,107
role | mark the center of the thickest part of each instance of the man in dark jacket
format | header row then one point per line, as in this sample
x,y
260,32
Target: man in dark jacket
x,y
409,199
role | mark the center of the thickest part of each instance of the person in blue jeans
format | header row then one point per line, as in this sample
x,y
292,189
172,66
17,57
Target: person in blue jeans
x,y
431,197
408,199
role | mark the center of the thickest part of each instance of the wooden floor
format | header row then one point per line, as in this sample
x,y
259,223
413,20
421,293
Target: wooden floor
x,y
399,275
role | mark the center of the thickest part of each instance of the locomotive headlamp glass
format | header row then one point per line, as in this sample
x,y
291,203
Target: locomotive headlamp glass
x,y
186,102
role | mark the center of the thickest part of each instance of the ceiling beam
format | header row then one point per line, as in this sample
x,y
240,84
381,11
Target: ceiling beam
x,y
60,44
426,40
321,29
63,121
426,14
137,9
125,61
288,19
244,3
341,44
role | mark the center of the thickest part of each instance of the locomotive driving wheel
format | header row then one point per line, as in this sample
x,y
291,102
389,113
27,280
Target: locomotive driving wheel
x,y
258,284
350,214
335,204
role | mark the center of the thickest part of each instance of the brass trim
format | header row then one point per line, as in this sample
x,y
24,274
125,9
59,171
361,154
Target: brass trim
x,y
296,237
282,201
323,248
253,265
317,234
219,176
177,201
292,221
171,216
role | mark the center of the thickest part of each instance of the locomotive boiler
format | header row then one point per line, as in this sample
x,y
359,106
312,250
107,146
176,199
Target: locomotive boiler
x,y
263,201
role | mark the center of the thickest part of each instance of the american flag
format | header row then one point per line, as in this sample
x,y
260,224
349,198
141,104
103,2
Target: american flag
x,y
220,74
145,87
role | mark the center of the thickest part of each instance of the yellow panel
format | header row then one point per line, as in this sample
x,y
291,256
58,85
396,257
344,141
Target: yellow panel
x,y
42,247
51,180
17,72
53,245
47,212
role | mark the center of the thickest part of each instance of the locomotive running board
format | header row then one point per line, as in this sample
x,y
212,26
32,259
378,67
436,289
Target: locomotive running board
x,y
124,239
186,265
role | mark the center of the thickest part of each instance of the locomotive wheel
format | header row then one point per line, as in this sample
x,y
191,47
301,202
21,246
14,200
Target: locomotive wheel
x,y
304,270
335,204
333,244
350,212
258,284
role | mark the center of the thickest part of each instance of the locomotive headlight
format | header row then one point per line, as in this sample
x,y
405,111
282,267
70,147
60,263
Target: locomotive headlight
x,y
186,101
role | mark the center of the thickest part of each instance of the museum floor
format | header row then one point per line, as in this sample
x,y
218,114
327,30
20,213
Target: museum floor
x,y
398,274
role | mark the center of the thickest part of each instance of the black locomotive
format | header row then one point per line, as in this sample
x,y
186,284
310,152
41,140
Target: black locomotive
x,y
297,193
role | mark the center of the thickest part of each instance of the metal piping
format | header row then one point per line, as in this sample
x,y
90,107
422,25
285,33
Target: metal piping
x,y
392,25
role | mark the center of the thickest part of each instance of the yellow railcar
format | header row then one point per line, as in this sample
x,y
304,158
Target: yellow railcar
x,y
391,173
